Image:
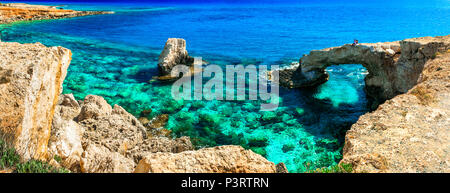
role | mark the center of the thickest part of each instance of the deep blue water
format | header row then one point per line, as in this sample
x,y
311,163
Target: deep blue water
x,y
116,55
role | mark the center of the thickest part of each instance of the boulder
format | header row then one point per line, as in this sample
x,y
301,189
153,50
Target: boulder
x,y
31,77
174,53
222,159
94,107
65,141
161,144
115,128
99,159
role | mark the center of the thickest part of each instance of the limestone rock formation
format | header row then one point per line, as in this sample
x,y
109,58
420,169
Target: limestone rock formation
x,y
174,53
94,107
31,77
66,134
13,12
99,159
222,159
394,67
411,132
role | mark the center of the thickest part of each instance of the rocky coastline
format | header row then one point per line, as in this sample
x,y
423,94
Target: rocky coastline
x,y
408,131
15,12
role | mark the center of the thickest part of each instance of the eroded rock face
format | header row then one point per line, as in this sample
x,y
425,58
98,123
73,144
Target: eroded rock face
x,y
222,159
99,159
66,134
31,77
394,67
174,53
411,132
115,129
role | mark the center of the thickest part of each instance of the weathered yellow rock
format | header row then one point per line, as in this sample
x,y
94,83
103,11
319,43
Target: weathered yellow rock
x,y
98,159
222,159
31,77
409,133
65,140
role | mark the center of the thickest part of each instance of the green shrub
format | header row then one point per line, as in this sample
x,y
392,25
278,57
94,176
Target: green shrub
x,y
8,156
339,168
34,166
9,159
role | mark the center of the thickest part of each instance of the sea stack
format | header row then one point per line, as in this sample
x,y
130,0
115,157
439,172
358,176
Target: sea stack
x,y
174,53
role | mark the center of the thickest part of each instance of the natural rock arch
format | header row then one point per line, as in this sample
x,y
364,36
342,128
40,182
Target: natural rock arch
x,y
394,67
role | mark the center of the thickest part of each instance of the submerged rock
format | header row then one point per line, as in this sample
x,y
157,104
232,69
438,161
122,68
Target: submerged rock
x,y
94,107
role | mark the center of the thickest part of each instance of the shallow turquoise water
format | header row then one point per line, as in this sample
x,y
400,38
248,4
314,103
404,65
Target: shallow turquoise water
x,y
115,56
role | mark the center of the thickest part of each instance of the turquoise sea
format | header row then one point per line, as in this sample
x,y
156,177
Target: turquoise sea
x,y
115,56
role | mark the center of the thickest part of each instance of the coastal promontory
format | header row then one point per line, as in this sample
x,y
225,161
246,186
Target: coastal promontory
x,y
14,12
408,83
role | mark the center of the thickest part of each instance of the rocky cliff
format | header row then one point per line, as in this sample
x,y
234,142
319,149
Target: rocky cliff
x,y
409,133
31,77
91,135
13,12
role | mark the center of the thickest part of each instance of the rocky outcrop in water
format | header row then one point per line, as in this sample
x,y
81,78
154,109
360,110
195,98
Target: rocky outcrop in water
x,y
174,53
13,12
394,67
31,77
